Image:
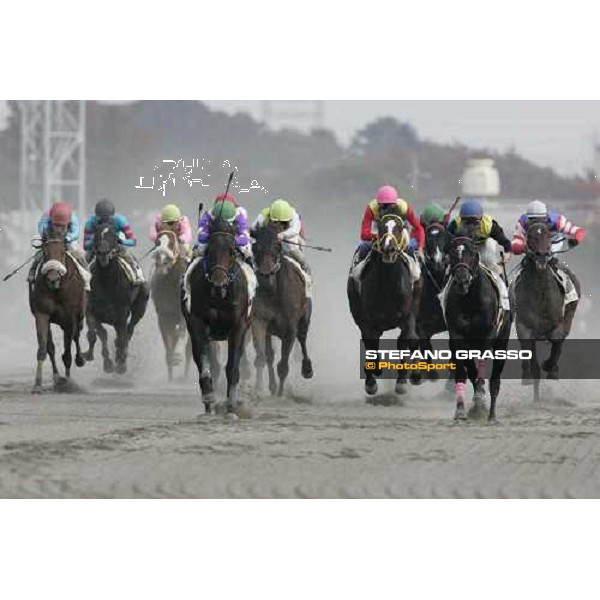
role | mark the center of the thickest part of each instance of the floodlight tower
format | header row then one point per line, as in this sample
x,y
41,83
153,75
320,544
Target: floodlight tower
x,y
52,153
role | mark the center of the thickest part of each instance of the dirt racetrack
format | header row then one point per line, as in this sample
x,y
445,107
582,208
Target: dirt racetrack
x,y
129,442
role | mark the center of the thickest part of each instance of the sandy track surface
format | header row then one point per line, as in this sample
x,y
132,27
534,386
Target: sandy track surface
x,y
123,442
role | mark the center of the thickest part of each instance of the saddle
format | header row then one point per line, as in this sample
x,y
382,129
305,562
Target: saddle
x,y
357,270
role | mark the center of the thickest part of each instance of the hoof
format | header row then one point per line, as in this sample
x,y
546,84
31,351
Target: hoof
x,y
88,356
460,414
552,375
231,417
433,375
307,369
526,381
547,366
477,411
493,421
416,379
108,366
371,387
60,382
121,368
244,411
219,408
37,389
400,388
79,360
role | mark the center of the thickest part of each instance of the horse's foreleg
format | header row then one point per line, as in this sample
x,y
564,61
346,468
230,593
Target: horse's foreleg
x,y
67,357
138,310
270,362
409,339
167,338
460,384
259,339
121,341
188,356
79,359
370,339
283,366
108,364
52,355
307,369
235,349
497,368
92,336
551,364
200,352
42,326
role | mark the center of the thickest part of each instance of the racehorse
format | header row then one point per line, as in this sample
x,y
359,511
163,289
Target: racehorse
x,y
114,300
218,310
539,305
57,296
476,321
165,288
430,320
385,297
280,309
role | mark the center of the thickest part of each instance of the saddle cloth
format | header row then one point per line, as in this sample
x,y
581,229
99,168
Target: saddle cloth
x,y
564,281
249,275
308,281
356,271
499,286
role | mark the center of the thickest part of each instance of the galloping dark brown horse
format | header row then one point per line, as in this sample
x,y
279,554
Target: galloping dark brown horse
x,y
386,297
165,287
218,310
280,309
57,297
539,306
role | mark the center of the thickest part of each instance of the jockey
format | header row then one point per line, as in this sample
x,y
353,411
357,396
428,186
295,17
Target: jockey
x,y
559,225
225,208
59,218
171,218
104,212
433,213
481,228
292,231
537,212
388,202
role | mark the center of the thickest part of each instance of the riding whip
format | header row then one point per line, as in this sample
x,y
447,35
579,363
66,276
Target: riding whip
x,y
19,268
226,191
321,248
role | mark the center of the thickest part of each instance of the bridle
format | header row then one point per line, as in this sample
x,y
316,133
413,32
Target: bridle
x,y
229,273
381,244
459,244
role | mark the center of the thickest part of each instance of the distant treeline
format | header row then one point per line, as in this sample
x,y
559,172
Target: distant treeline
x,y
126,142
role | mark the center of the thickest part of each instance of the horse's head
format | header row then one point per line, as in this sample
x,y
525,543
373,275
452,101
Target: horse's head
x,y
267,252
220,256
435,243
539,244
464,262
105,243
167,251
54,267
391,238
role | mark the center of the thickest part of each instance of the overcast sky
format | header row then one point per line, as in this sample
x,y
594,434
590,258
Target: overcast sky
x,y
559,134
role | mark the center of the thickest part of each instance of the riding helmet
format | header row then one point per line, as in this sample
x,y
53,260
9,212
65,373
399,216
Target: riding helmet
x,y
104,208
471,208
281,210
536,209
60,213
387,195
223,210
433,213
170,213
